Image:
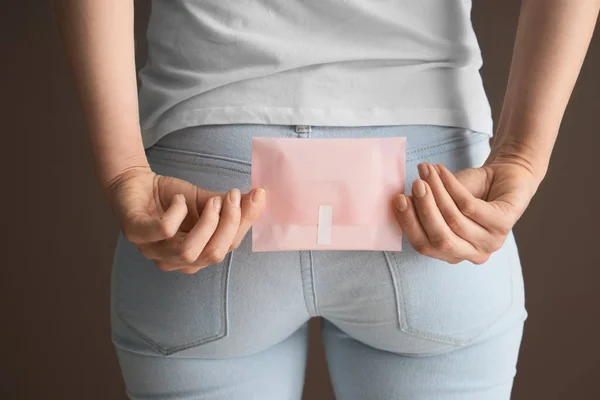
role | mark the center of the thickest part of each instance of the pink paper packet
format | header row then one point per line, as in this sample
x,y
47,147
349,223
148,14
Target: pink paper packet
x,y
328,194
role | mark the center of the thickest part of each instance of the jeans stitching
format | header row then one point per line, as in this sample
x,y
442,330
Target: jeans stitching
x,y
437,144
445,151
312,278
303,279
354,323
199,164
206,157
223,330
199,155
399,299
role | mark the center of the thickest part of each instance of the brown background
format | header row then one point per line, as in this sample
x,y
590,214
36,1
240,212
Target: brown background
x,y
55,330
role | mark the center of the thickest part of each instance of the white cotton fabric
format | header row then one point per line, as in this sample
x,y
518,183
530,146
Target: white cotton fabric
x,y
312,62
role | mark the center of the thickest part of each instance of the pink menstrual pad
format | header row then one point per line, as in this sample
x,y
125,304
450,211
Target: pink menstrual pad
x,y
328,194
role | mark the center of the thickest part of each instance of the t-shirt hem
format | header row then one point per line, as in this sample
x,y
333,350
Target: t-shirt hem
x,y
480,122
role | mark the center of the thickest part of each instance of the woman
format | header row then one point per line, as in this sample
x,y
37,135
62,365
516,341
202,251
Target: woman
x,y
195,314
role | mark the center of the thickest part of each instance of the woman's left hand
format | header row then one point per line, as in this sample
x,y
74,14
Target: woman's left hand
x,y
467,215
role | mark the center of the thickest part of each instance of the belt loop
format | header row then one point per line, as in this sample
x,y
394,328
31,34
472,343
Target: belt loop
x,y
303,129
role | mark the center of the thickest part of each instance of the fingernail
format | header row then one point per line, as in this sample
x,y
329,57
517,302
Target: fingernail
x,y
423,170
437,169
234,197
217,203
401,203
258,195
419,188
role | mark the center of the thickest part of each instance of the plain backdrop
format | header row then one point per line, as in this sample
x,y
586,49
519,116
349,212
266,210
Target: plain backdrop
x,y
55,275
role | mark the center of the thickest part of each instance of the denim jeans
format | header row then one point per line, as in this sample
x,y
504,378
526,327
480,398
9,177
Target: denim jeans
x,y
395,325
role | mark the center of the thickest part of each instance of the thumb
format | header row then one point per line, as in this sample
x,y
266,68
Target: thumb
x,y
475,180
195,197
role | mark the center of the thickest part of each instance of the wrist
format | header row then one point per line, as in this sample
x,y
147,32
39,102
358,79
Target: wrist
x,y
110,176
519,154
514,172
117,152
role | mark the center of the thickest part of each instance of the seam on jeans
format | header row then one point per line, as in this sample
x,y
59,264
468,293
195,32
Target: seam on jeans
x,y
223,330
205,156
159,148
436,144
367,324
408,159
398,299
164,160
303,280
312,278
225,284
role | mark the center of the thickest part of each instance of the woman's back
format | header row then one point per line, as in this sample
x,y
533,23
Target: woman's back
x,y
353,62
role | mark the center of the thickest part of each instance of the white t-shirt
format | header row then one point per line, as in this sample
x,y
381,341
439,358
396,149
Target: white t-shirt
x,y
312,62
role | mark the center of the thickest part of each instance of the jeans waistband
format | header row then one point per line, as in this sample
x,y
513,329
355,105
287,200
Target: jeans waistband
x,y
234,140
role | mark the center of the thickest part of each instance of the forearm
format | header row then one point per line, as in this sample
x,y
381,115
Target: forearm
x,y
552,39
98,38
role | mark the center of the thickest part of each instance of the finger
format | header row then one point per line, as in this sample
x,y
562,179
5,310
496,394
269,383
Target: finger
x,y
167,250
218,246
480,211
143,228
439,233
190,270
164,266
199,236
411,226
464,227
185,248
252,206
172,268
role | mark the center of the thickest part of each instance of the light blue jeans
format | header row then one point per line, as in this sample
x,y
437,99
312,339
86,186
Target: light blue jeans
x,y
395,325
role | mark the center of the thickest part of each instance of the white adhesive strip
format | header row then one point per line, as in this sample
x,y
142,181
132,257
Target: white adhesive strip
x,y
324,228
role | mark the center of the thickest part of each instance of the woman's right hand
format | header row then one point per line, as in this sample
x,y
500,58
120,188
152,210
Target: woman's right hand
x,y
178,225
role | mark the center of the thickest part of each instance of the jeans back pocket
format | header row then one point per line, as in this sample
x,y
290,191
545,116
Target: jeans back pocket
x,y
171,311
442,302
453,304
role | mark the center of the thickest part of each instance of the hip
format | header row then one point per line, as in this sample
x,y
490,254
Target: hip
x,y
396,301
